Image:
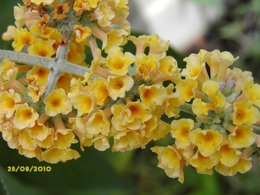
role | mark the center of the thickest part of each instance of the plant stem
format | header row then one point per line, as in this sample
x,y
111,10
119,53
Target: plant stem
x,y
33,60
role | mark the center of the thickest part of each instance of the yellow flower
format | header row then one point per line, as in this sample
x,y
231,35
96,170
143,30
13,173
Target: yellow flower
x,y
202,163
57,102
42,74
186,89
115,38
136,110
228,156
219,63
170,161
104,14
242,166
199,107
218,100
8,101
64,138
60,10
119,62
83,5
101,143
168,66
181,132
46,2
245,113
126,141
64,82
131,116
44,31
22,38
254,94
9,34
55,155
93,3
25,116
153,95
76,52
41,48
98,87
39,131
210,87
241,137
172,104
26,141
8,70
83,103
193,67
81,32
119,85
207,141
146,65
98,124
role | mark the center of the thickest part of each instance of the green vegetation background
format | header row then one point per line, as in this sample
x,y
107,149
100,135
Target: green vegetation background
x,y
98,173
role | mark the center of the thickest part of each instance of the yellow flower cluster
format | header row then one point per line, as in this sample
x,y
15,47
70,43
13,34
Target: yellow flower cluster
x,y
121,103
225,103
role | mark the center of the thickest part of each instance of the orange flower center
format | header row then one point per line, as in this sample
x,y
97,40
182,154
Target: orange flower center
x,y
9,103
134,109
148,94
56,102
240,114
27,114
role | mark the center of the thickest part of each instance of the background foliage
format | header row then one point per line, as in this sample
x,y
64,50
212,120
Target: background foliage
x,y
136,172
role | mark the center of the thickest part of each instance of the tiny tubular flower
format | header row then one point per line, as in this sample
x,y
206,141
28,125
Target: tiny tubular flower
x,y
153,95
57,102
41,48
119,62
193,67
101,143
25,116
8,70
54,155
41,73
241,137
170,161
98,124
146,65
242,166
210,87
83,103
199,107
60,10
228,156
181,132
207,141
22,38
38,2
168,66
81,32
203,164
8,102
99,88
119,85
104,14
64,138
186,89
245,113
126,141
9,34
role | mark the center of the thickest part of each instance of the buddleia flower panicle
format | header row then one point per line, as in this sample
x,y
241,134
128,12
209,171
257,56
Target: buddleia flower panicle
x,y
123,100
